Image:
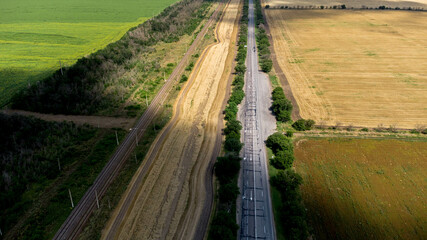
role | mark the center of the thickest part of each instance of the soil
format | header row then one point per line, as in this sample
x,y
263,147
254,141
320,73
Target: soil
x,y
170,199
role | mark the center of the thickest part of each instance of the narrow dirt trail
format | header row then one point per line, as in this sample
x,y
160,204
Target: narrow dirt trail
x,y
171,198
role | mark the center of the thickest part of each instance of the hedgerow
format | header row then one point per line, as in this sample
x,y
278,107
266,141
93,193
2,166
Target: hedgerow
x,y
224,225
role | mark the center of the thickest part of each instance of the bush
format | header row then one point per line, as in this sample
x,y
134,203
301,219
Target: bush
x,y
282,107
289,133
278,142
283,160
232,125
232,144
228,192
292,212
303,125
227,168
266,65
184,78
224,226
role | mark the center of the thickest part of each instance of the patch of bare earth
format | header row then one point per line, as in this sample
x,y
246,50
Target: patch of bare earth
x,y
170,199
96,121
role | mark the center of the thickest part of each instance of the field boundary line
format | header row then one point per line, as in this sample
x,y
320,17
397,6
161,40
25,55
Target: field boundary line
x,y
279,72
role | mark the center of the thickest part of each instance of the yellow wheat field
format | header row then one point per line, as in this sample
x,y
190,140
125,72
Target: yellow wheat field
x,y
363,68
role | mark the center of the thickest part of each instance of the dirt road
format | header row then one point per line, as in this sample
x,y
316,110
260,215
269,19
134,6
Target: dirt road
x,y
168,199
96,121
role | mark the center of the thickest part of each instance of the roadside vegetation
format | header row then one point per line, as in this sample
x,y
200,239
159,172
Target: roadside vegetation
x,y
37,40
263,43
102,82
40,162
227,167
289,211
38,203
363,188
111,198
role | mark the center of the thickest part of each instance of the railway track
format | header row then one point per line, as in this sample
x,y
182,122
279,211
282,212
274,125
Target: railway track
x,y
77,219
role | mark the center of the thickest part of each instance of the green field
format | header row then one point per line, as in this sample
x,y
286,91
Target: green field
x,y
364,188
36,35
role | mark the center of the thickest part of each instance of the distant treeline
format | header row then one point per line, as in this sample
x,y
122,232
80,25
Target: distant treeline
x,y
262,40
96,82
31,151
343,6
224,225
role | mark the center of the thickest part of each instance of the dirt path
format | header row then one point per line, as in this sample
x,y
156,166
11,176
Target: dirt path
x,y
171,197
96,121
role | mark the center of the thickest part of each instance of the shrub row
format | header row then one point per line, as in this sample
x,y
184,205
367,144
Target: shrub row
x,y
292,213
262,40
224,225
282,107
97,81
303,124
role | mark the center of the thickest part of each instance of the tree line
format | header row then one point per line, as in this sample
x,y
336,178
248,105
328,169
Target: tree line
x,y
97,81
263,43
227,167
292,212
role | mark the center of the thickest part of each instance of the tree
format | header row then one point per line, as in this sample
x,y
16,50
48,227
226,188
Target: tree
x,y
292,211
277,93
283,159
233,145
228,192
224,226
278,142
232,125
303,125
227,167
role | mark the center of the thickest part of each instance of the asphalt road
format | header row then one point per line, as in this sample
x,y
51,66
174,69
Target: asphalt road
x,y
256,216
78,217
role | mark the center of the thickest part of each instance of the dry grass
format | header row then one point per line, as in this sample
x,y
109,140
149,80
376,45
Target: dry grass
x,y
355,67
170,200
364,189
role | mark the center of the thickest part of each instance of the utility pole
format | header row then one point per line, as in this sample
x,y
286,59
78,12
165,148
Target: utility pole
x,y
97,202
117,139
164,76
59,165
136,161
109,205
60,65
71,198
136,136
146,99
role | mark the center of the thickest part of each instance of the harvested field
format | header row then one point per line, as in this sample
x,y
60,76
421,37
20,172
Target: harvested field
x,y
348,3
364,189
171,197
363,68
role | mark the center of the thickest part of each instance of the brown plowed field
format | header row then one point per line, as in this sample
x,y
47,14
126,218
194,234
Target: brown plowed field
x,y
363,68
170,198
364,188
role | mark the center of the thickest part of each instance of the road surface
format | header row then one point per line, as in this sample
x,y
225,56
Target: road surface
x,y
78,217
256,216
